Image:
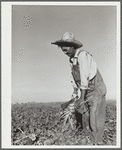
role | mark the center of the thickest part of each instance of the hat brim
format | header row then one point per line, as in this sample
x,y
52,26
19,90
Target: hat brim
x,y
68,43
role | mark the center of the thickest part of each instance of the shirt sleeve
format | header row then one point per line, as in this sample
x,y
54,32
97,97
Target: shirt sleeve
x,y
84,69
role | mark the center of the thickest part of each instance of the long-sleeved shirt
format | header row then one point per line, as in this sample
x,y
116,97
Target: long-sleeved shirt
x,y
87,68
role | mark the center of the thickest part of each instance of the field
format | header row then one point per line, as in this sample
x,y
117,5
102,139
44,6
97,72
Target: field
x,y
39,124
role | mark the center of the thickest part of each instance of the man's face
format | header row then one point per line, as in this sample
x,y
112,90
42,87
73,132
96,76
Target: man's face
x,y
69,51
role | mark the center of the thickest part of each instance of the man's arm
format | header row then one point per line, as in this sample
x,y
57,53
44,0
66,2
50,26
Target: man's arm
x,y
81,99
83,92
84,69
84,74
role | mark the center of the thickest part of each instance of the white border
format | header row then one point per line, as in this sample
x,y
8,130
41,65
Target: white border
x,y
6,70
64,3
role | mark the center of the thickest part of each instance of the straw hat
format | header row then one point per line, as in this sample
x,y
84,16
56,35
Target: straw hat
x,y
68,40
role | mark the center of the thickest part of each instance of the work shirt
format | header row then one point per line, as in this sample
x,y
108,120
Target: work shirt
x,y
86,66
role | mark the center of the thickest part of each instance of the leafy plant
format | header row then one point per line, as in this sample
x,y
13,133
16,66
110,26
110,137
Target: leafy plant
x,y
40,124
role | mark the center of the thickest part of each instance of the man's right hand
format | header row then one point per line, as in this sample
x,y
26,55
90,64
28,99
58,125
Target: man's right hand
x,y
65,105
78,103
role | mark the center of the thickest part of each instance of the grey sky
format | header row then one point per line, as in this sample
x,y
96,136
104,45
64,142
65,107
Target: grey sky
x,y
40,71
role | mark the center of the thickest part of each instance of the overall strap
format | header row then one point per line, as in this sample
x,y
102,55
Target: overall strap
x,y
79,53
76,55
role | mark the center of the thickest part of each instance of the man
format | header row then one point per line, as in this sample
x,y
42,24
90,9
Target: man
x,y
87,83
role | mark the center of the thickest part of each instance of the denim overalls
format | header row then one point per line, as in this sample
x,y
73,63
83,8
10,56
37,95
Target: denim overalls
x,y
97,104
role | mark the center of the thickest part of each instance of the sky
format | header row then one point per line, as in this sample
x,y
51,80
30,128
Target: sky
x,y
40,70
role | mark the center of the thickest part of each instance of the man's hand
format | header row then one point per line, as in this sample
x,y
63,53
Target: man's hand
x,y
78,103
65,105
80,106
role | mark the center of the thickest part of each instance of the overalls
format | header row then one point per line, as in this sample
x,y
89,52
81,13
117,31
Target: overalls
x,y
97,104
